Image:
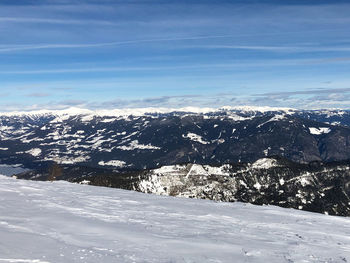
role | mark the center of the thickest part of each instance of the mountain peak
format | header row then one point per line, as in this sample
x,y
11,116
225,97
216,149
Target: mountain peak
x,y
73,111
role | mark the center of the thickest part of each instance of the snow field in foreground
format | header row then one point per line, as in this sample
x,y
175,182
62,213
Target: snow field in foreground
x,y
62,222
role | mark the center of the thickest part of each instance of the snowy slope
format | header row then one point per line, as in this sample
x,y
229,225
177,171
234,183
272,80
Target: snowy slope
x,y
63,222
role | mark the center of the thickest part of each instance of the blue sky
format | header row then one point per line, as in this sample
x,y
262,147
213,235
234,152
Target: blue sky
x,y
112,54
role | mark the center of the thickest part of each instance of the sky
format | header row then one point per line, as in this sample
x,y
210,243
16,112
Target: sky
x,y
56,54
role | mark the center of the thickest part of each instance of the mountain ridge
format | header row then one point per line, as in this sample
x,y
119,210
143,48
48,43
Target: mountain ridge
x,y
316,186
158,139
110,148
72,111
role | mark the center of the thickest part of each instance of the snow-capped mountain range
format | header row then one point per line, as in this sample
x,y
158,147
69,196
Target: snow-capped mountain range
x,y
224,154
149,138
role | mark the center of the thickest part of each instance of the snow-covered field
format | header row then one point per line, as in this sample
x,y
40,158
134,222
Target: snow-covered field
x,y
63,222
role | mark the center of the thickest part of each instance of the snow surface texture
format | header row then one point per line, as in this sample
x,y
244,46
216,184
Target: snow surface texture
x,y
62,222
319,131
195,137
264,163
115,163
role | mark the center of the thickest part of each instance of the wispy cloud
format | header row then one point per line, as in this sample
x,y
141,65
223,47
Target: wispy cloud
x,y
145,68
306,99
204,66
329,60
329,98
36,20
142,53
38,95
308,48
304,92
11,48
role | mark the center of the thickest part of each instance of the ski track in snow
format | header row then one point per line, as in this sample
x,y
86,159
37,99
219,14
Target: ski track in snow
x,y
63,222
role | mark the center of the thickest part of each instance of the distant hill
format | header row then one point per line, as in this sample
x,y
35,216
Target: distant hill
x,y
150,138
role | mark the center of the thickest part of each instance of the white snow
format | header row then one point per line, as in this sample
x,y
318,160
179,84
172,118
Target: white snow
x,y
266,151
60,222
109,120
115,163
277,117
73,111
257,185
319,131
192,169
264,163
195,137
169,169
135,145
87,118
35,152
21,260
331,112
66,159
262,109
